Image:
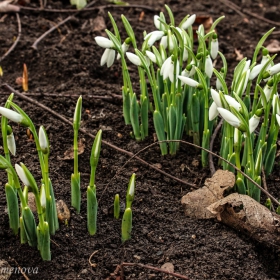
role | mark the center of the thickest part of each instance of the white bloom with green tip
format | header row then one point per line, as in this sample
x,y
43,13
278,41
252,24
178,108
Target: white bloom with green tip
x,y
208,66
255,71
229,117
216,97
21,175
11,115
188,81
190,21
134,58
43,139
104,42
153,37
11,143
108,57
253,123
275,69
125,47
213,112
214,48
151,56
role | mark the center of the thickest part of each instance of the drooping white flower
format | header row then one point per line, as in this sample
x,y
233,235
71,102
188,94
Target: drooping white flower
x,y
134,58
157,23
153,37
11,143
189,22
213,112
253,123
43,196
275,69
218,84
12,115
163,42
278,119
125,47
214,48
229,117
255,71
108,57
167,69
190,82
232,102
43,141
275,104
151,56
208,66
216,97
104,42
267,92
21,175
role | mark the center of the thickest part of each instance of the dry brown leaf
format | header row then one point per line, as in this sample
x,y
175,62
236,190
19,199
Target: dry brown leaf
x,y
195,203
273,46
99,24
6,7
168,267
69,154
245,214
239,55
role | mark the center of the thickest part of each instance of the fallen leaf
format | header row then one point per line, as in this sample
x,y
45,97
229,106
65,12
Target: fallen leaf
x,y
142,14
273,46
6,7
69,154
168,267
99,24
195,203
239,55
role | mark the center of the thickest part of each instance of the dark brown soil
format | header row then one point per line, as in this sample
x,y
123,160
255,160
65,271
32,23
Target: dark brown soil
x,y
65,66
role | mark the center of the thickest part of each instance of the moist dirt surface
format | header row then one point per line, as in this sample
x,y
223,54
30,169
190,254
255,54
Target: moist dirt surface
x,y
65,65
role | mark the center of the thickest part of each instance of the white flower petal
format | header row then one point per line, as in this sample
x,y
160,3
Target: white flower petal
x,y
229,117
278,119
111,57
190,82
11,144
214,48
154,36
253,123
43,139
22,175
232,102
255,71
274,69
104,42
216,97
11,115
163,41
133,58
157,23
208,66
213,112
151,56
104,57
189,22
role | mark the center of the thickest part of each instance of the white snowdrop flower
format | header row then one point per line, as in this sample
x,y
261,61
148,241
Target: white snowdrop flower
x,y
104,42
125,47
153,37
185,54
170,42
43,141
165,67
208,66
246,78
12,115
213,112
216,97
232,102
11,143
108,57
21,175
157,23
253,123
163,42
229,117
134,58
189,22
267,92
247,65
43,196
151,56
190,82
255,71
278,119
214,48
275,69
218,84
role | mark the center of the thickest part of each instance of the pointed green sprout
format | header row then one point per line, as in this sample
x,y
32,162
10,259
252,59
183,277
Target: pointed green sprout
x,y
75,177
92,204
126,224
130,191
117,206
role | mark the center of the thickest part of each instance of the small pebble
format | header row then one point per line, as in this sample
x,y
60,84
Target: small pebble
x,y
63,213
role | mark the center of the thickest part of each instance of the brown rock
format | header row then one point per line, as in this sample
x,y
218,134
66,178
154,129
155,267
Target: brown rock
x,y
63,213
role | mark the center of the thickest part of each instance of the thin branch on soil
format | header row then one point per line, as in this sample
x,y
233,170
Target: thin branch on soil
x,y
22,96
214,135
16,41
120,268
34,46
104,7
242,12
20,269
89,260
111,97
